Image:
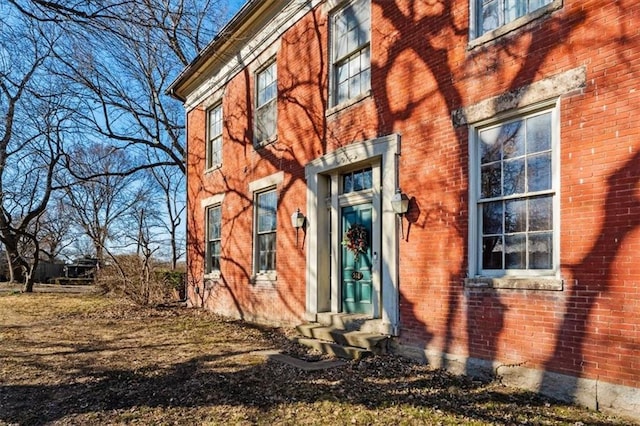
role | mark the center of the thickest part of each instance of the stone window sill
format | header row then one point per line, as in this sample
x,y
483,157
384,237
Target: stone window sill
x,y
267,279
529,283
213,275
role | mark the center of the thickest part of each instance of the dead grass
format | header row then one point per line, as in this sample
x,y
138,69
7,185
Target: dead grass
x,y
87,359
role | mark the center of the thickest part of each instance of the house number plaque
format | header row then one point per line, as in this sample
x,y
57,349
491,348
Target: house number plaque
x,y
357,275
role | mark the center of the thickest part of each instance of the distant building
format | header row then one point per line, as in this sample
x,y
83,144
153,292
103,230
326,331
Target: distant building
x,y
510,127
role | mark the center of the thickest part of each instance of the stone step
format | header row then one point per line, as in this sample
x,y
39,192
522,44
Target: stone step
x,y
350,322
374,342
334,349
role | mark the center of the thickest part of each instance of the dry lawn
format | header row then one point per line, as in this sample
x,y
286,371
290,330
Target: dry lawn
x,y
87,359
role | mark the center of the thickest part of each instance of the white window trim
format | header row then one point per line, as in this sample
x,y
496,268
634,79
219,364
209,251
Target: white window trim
x,y
258,186
206,204
263,142
213,273
337,6
209,165
529,279
476,39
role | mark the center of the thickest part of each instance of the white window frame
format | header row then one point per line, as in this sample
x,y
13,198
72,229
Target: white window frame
x,y
475,205
210,270
267,106
214,136
476,34
257,232
359,53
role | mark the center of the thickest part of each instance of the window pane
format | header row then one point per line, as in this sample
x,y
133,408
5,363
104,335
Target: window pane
x,y
357,181
348,184
365,80
267,211
216,151
491,181
515,216
513,9
513,177
541,214
490,149
354,65
515,251
214,249
354,86
267,85
340,43
541,251
539,172
214,223
539,133
267,251
492,253
492,218
343,92
490,18
512,137
266,121
367,179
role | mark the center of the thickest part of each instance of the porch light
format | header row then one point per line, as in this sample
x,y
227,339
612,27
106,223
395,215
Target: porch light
x,y
297,221
400,205
400,202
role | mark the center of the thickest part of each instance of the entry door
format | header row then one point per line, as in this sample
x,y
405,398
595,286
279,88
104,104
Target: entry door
x,y
357,288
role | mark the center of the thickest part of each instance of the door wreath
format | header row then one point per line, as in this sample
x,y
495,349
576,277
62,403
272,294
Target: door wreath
x,y
355,240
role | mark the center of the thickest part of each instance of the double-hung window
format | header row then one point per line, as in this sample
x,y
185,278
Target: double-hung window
x,y
516,196
214,137
351,59
266,103
265,231
492,14
214,239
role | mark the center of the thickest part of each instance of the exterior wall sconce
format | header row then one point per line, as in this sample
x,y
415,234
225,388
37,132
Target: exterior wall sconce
x,y
297,221
400,205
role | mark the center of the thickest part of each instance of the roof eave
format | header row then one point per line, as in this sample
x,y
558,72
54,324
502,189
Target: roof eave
x,y
178,89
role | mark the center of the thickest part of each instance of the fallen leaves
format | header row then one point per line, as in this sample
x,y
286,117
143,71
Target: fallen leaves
x,y
82,359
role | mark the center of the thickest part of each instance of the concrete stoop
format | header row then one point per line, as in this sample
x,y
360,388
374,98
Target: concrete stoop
x,y
341,336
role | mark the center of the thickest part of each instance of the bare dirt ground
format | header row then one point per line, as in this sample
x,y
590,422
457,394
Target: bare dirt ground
x,y
70,358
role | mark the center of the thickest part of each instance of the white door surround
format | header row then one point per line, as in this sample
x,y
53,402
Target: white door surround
x,y
323,248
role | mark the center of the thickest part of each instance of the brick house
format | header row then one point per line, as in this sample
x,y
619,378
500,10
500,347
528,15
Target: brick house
x,y
507,126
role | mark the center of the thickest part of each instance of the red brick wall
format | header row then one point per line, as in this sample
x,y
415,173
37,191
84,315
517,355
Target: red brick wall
x,y
422,71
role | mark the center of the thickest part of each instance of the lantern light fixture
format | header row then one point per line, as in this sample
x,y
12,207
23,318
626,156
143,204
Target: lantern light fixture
x,y
400,205
297,221
400,202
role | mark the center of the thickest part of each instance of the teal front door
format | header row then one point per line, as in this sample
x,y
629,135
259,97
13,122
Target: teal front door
x,y
357,288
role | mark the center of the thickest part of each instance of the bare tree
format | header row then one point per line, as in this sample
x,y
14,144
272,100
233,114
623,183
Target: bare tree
x,y
117,57
121,56
54,230
32,114
98,200
169,182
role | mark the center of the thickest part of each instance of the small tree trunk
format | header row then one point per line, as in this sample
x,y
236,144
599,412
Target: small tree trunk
x,y
28,286
16,272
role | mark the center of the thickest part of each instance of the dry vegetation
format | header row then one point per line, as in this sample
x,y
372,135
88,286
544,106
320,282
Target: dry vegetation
x,y
87,359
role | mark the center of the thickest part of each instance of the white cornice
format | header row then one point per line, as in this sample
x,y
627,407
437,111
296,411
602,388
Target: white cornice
x,y
243,46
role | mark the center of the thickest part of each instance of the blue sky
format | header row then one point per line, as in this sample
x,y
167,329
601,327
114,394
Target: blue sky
x,y
235,5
